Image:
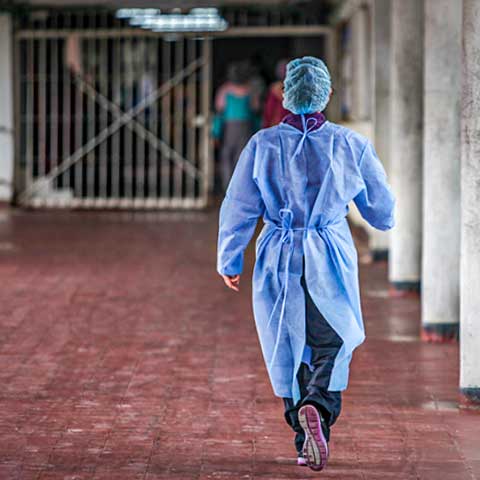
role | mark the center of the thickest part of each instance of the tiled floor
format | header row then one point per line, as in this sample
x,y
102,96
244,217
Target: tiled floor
x,y
123,357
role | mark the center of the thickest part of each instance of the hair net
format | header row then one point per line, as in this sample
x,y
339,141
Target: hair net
x,y
307,85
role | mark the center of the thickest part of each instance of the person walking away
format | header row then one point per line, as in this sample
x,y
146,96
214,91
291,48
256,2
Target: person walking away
x,y
300,177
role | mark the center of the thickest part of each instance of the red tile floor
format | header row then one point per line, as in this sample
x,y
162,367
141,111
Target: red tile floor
x,y
123,357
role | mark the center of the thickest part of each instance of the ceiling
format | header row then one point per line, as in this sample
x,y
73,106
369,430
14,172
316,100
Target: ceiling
x,y
324,6
166,4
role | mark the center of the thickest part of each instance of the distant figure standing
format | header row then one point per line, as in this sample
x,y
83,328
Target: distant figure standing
x,y
236,106
274,112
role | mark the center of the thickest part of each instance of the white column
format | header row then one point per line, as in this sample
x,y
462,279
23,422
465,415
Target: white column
x,y
441,169
378,241
406,141
6,109
470,201
332,52
361,65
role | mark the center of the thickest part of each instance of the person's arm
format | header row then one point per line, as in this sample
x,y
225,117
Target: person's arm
x,y
220,99
239,213
376,201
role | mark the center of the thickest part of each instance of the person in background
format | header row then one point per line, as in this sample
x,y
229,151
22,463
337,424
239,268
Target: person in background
x,y
236,108
257,82
274,112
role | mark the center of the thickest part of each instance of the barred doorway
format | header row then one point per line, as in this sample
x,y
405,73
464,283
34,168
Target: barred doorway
x,y
111,119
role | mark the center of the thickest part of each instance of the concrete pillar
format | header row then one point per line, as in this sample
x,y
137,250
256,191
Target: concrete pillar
x,y
406,141
7,139
470,201
441,170
378,241
332,52
361,65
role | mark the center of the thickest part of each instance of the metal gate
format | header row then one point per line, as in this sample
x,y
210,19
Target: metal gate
x,y
113,120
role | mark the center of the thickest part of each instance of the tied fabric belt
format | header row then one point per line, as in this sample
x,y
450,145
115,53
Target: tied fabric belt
x,y
288,236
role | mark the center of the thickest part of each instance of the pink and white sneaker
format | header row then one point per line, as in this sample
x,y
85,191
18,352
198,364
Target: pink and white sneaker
x,y
301,462
315,448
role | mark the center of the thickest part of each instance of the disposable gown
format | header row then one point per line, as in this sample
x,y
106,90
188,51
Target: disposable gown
x,y
301,183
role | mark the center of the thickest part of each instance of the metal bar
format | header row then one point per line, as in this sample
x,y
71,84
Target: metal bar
x,y
125,204
207,158
128,135
42,109
115,162
66,114
178,120
166,122
103,82
118,123
78,133
244,31
90,162
90,53
190,125
273,31
29,111
153,123
53,113
139,57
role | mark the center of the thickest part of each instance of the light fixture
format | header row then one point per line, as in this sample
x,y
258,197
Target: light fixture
x,y
126,13
196,20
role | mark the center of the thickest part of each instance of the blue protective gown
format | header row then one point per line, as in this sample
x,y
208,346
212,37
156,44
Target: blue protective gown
x,y
301,183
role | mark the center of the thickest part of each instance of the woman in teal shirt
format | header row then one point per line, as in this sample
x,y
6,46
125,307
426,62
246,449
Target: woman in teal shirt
x,y
236,117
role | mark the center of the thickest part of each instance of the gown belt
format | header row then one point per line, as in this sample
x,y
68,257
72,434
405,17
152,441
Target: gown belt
x,y
288,236
286,216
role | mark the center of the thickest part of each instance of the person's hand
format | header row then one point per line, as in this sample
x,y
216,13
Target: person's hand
x,y
232,281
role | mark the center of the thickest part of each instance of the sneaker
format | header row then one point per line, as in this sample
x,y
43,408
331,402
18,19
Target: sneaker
x,y
315,448
301,462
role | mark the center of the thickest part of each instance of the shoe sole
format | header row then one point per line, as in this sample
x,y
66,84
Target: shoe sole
x,y
315,448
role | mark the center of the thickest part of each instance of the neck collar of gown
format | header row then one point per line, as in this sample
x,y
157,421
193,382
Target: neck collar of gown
x,y
295,120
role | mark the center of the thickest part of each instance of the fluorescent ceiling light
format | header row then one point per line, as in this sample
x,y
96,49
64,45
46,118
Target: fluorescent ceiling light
x,y
196,20
133,12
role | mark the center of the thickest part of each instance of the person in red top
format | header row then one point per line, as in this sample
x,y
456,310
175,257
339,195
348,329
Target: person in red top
x,y
274,112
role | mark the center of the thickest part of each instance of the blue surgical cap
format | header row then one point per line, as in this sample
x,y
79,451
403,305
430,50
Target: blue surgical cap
x,y
307,85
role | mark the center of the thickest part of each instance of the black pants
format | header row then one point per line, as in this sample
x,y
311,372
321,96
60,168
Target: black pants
x,y
325,344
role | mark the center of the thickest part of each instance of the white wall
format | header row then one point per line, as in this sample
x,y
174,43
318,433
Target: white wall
x,y
6,109
470,199
441,162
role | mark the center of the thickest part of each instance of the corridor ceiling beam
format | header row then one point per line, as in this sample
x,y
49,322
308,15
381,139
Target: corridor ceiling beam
x,y
165,4
307,30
